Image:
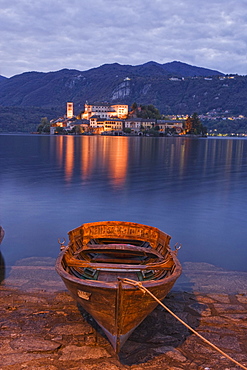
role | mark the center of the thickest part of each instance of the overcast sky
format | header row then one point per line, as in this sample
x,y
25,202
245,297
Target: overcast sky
x,y
49,35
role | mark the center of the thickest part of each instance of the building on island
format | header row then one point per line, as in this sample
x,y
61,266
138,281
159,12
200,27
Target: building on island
x,y
70,110
175,125
100,125
105,110
138,124
104,118
55,123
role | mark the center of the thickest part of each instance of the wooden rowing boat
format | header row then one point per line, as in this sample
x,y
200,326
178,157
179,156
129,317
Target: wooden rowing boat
x,y
1,234
97,259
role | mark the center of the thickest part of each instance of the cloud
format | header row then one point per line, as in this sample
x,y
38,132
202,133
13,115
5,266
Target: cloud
x,y
47,35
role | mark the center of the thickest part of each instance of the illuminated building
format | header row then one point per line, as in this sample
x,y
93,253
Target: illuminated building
x,y
105,110
138,124
177,125
100,125
70,110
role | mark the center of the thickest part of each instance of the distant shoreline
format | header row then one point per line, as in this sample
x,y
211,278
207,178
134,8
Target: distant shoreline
x,y
141,136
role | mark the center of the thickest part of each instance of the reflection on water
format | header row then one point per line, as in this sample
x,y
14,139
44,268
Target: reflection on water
x,y
114,155
193,189
69,158
91,152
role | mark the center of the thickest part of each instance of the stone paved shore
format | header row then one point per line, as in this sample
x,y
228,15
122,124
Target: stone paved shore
x,y
43,328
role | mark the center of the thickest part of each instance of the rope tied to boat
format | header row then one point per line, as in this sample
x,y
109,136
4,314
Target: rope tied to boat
x,y
140,286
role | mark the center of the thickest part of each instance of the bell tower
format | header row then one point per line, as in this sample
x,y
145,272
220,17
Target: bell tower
x,y
70,110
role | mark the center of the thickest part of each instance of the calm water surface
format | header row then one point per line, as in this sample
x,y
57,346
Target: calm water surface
x,y
193,189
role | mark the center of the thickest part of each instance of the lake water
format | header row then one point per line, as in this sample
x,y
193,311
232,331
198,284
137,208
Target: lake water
x,y
193,189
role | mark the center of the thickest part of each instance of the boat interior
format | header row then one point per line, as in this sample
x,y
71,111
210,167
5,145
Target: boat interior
x,y
107,259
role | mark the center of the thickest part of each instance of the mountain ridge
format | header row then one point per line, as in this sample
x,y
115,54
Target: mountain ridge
x,y
174,88
174,68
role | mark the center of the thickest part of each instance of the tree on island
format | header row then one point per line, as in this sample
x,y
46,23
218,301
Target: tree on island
x,y
44,126
188,125
77,129
127,130
145,111
194,126
134,106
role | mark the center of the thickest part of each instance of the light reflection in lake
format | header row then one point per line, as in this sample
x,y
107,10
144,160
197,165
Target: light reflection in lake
x,y
193,189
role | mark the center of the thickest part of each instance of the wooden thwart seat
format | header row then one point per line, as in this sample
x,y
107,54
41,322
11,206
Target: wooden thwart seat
x,y
118,253
115,256
162,265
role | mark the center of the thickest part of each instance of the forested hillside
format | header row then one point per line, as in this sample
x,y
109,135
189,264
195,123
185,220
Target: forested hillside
x,y
174,88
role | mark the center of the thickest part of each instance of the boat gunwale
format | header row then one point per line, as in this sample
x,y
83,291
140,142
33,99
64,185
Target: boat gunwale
x,y
121,224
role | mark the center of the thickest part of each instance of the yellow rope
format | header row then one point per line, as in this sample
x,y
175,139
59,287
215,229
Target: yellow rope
x,y
141,287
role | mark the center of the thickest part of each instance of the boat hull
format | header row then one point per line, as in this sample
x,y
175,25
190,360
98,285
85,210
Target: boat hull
x,y
116,306
1,234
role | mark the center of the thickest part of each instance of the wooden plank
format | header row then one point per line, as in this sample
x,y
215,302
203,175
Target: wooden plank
x,y
73,262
